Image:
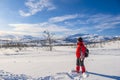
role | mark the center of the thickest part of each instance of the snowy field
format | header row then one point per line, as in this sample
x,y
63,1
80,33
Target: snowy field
x,y
39,64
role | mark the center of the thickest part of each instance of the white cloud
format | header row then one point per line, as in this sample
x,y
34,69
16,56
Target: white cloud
x,y
86,23
35,6
37,28
62,18
80,24
107,22
80,30
24,14
2,33
98,18
97,22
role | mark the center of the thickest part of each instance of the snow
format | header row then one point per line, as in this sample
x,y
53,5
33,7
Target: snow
x,y
40,64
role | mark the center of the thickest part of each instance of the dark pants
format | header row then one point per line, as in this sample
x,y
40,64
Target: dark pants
x,y
79,62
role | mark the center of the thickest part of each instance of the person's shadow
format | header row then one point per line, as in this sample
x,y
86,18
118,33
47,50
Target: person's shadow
x,y
107,76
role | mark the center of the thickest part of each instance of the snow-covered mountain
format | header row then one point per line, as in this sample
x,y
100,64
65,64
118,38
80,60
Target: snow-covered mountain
x,y
89,37
18,37
68,39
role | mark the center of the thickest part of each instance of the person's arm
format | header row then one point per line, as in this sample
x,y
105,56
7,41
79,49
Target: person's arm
x,y
78,51
83,49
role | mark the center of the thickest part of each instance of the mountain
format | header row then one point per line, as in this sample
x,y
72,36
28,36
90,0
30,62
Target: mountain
x,y
18,37
7,37
69,39
29,38
88,38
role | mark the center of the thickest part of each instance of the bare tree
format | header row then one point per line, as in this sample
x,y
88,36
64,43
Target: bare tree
x,y
49,38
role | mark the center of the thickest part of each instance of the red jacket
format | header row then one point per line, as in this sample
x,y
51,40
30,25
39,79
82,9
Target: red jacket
x,y
80,49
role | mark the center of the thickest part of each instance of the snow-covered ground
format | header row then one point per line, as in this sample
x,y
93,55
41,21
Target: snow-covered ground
x,y
39,64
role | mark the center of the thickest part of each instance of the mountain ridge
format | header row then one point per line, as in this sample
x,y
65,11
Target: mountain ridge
x,y
69,38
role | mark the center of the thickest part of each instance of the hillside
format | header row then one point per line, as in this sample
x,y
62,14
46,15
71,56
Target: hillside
x,y
88,38
28,39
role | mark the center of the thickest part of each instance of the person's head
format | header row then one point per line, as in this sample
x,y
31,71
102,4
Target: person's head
x,y
80,39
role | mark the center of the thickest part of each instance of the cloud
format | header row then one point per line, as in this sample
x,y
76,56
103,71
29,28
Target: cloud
x,y
35,6
62,18
107,22
79,30
96,22
37,28
3,33
66,25
97,18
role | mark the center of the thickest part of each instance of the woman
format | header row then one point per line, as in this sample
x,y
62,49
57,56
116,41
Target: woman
x,y
80,55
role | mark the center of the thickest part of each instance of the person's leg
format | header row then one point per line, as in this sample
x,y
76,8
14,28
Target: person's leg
x,y
78,65
83,69
82,65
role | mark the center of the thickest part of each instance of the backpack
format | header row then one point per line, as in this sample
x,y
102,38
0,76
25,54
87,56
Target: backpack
x,y
87,53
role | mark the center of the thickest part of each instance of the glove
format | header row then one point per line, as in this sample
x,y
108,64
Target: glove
x,y
82,56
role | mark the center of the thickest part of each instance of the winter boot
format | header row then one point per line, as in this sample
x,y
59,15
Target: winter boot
x,y
83,69
77,69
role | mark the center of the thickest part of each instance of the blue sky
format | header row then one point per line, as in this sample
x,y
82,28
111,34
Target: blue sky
x,y
62,17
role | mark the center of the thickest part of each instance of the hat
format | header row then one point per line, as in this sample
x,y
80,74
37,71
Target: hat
x,y
80,39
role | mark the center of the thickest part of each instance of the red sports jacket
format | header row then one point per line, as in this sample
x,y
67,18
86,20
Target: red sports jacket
x,y
80,49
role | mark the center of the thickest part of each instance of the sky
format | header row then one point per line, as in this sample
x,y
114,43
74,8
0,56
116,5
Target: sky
x,y
61,17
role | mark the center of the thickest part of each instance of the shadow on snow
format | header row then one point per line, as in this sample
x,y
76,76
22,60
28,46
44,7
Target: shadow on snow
x,y
107,76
